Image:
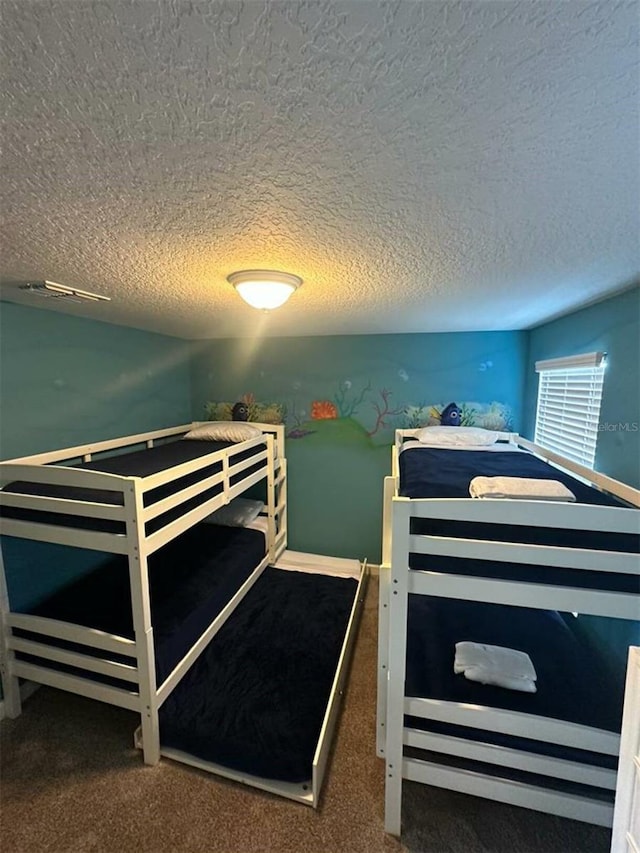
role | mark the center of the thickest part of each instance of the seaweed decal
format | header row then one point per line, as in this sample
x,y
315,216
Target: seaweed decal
x,y
348,407
383,411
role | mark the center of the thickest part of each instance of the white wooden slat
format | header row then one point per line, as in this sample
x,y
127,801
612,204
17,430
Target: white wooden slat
x,y
600,481
176,498
543,765
618,605
300,792
200,645
527,513
514,723
81,686
94,447
236,468
113,669
507,791
323,748
184,469
59,475
112,543
536,555
184,522
73,633
246,483
65,506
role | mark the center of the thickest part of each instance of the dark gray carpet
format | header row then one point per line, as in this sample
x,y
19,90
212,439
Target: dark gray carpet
x,y
71,782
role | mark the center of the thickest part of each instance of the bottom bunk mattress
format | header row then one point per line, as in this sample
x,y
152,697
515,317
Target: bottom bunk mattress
x,y
573,682
256,698
191,579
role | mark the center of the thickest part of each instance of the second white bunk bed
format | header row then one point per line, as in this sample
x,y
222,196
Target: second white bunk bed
x,y
174,622
114,497
501,572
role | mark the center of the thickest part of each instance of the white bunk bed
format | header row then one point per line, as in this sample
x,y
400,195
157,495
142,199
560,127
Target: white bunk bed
x,y
133,516
470,746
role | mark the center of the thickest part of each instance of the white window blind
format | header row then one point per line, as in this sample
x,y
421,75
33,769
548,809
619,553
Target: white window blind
x,y
568,413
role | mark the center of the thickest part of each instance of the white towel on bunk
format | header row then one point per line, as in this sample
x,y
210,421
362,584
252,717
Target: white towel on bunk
x,y
495,665
520,487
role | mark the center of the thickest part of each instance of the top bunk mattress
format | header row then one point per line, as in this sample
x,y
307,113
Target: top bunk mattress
x,y
137,463
427,472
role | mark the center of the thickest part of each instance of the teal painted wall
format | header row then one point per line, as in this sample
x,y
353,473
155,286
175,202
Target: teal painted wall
x,y
65,381
612,326
336,466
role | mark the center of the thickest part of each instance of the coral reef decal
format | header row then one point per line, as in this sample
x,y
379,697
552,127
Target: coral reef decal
x,y
323,410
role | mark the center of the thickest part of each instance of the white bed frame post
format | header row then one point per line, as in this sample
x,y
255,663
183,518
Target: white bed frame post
x,y
10,683
141,610
625,836
271,497
383,616
398,602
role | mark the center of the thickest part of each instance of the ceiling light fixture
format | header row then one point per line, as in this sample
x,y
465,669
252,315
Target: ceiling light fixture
x,y
264,289
61,291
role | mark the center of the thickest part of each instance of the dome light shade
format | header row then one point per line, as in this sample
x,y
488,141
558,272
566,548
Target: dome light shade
x,y
264,289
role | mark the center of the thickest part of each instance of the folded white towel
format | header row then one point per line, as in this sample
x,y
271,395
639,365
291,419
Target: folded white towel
x,y
524,685
495,665
520,487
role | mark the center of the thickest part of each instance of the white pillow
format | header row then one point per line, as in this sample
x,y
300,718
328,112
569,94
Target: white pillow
x,y
239,513
450,436
224,431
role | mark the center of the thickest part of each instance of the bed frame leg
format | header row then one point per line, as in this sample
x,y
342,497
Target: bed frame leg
x,y
10,683
150,737
11,692
393,801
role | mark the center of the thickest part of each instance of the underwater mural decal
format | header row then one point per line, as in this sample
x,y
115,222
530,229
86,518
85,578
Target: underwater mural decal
x,y
246,408
354,412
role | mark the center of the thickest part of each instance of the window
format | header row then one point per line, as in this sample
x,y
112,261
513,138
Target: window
x,y
569,396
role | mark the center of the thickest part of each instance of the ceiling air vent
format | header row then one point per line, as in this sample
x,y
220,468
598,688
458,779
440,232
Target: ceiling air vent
x,y
52,290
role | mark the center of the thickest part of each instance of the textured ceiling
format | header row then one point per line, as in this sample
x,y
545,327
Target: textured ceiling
x,y
424,166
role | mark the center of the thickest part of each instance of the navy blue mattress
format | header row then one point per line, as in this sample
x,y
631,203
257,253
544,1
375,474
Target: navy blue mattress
x,y
254,701
574,684
191,579
438,473
137,463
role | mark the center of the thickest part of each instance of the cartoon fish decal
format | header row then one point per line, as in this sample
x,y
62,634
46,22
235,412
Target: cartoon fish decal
x,y
240,412
450,415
